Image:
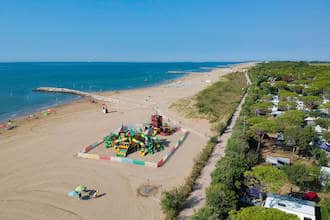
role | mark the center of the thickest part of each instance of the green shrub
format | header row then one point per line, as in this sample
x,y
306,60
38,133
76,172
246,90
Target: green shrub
x,y
218,99
172,202
326,135
216,102
325,208
230,170
272,179
220,127
221,199
260,213
302,176
320,156
205,213
323,159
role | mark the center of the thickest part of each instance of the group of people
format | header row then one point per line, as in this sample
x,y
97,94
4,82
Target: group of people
x,y
82,192
8,126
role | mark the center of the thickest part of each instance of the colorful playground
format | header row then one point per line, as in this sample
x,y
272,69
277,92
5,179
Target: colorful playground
x,y
148,144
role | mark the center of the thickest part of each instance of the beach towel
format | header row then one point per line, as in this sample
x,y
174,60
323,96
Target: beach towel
x,y
73,194
80,188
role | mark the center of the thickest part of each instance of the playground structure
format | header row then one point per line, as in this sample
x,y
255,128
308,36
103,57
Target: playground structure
x,y
143,139
159,127
132,139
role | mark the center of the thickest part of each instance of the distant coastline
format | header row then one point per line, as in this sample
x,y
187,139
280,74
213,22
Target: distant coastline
x,y
53,100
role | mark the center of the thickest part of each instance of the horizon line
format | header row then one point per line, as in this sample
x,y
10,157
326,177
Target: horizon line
x,y
163,61
110,61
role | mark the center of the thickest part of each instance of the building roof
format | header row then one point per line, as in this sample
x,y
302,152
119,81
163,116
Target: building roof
x,y
278,161
310,119
325,175
290,204
325,170
318,128
277,112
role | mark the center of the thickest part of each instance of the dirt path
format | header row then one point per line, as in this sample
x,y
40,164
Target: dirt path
x,y
197,198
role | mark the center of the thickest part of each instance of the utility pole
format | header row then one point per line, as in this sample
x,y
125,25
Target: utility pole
x,y
244,125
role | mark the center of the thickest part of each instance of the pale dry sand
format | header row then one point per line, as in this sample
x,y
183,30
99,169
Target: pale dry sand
x,y
38,166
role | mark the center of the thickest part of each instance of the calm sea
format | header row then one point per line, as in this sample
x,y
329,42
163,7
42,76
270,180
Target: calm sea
x,y
19,79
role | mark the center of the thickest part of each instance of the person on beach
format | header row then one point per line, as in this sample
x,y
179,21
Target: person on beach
x,y
83,193
104,109
79,189
94,194
10,125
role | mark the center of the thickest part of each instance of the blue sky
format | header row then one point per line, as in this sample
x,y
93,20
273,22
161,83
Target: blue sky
x,y
164,30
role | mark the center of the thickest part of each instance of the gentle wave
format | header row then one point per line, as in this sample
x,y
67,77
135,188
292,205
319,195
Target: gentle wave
x,y
176,72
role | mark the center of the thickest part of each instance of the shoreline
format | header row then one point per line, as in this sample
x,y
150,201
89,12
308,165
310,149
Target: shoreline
x,y
35,110
26,115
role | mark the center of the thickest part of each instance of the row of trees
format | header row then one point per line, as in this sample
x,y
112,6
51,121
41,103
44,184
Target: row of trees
x,y
270,179
222,196
259,213
291,124
292,80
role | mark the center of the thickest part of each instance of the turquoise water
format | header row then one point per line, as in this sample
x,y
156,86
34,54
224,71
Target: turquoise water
x,y
19,79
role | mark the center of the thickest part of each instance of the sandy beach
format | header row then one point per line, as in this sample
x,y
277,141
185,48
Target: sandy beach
x,y
39,166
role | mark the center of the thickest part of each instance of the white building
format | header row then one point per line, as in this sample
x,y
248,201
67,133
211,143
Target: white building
x,y
304,209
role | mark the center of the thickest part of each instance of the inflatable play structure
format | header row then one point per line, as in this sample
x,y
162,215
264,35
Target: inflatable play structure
x,y
142,139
